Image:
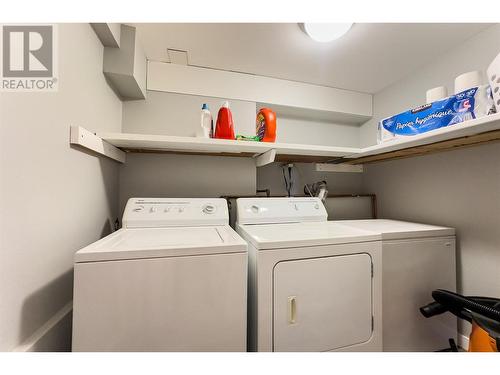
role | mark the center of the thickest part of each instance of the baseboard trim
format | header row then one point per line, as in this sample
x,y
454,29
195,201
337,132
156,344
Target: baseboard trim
x,y
33,343
36,342
463,341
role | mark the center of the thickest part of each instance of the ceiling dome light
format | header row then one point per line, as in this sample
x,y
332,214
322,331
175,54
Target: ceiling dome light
x,y
326,32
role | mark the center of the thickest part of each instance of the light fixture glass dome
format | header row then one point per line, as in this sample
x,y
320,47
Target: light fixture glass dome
x,y
326,32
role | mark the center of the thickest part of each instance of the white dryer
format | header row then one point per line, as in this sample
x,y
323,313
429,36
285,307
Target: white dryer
x,y
314,285
174,278
416,259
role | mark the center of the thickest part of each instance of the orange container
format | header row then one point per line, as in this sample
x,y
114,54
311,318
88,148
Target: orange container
x,y
266,125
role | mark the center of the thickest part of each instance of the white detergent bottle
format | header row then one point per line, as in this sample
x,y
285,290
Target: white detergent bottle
x,y
206,127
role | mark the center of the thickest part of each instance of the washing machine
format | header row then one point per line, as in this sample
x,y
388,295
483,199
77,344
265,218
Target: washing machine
x,y
174,278
416,259
314,285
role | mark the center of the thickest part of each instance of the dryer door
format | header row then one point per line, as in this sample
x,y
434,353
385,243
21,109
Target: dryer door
x,y
322,304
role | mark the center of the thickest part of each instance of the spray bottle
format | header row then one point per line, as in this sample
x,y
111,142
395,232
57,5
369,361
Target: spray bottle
x,y
207,125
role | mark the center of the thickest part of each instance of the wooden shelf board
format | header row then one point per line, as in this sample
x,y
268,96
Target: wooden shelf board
x,y
162,151
465,129
281,158
473,132
221,147
452,144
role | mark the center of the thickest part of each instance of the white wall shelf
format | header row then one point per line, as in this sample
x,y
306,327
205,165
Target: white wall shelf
x,y
86,140
469,133
287,98
264,152
339,168
113,145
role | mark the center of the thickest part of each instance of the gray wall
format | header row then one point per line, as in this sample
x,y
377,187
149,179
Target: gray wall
x,y
313,132
54,199
271,177
177,114
458,188
150,175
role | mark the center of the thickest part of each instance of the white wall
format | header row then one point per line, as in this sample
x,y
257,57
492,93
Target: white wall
x,y
177,114
457,188
295,130
54,199
474,54
185,176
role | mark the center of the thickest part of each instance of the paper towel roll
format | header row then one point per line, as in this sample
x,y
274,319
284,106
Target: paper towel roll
x,y
467,80
436,94
493,73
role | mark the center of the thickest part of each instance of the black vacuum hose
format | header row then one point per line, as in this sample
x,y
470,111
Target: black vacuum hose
x,y
433,308
457,302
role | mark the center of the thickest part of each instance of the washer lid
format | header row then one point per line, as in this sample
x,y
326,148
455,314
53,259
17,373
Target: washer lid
x,y
395,229
276,236
137,243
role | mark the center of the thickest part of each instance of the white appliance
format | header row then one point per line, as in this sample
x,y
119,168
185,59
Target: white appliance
x,y
314,285
174,278
416,259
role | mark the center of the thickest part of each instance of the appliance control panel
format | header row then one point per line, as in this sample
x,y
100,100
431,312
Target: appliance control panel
x,y
280,210
167,212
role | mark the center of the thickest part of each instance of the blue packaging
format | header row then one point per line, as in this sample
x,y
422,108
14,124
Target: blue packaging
x,y
473,103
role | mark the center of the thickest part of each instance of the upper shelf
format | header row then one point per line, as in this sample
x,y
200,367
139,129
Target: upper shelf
x,y
287,98
483,130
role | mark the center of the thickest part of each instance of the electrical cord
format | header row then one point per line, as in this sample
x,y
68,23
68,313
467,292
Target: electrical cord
x,y
307,190
288,181
284,180
306,186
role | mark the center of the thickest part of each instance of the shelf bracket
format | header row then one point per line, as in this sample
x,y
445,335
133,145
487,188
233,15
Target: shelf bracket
x,y
265,158
344,168
87,140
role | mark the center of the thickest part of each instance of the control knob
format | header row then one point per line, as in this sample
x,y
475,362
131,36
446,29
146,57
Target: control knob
x,y
209,209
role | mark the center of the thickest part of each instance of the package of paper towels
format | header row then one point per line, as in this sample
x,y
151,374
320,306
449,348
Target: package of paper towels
x,y
472,103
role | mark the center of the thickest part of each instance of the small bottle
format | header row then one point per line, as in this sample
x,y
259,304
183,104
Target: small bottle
x,y
207,125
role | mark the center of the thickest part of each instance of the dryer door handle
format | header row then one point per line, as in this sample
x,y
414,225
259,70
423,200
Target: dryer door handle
x,y
292,310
